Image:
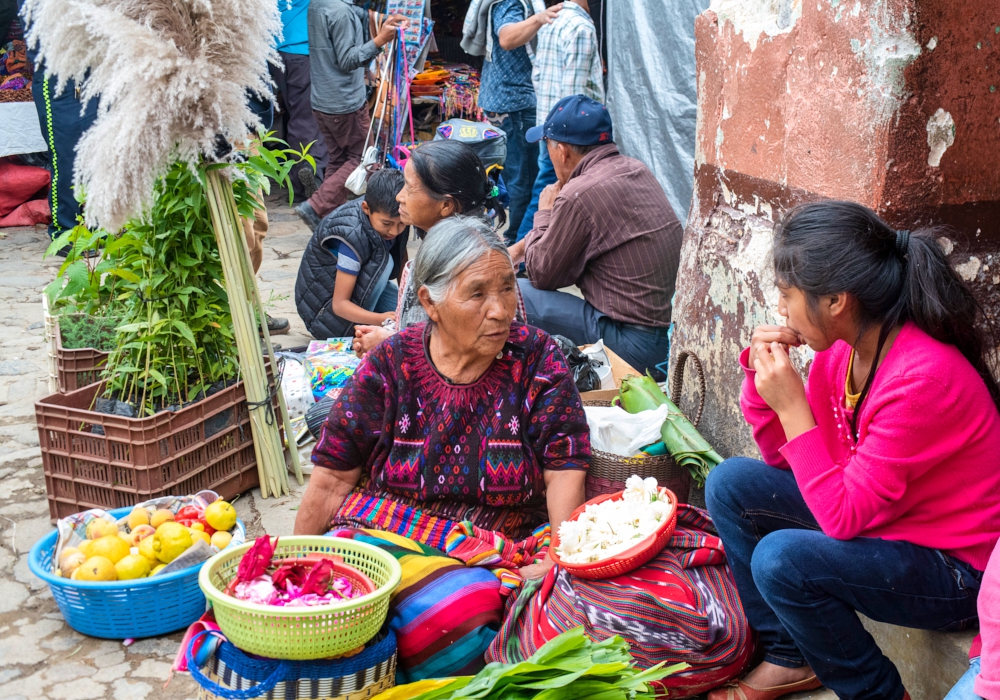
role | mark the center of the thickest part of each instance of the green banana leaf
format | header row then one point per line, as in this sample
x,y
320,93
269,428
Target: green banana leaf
x,y
681,439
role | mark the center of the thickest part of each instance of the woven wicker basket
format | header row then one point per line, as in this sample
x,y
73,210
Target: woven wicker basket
x,y
608,472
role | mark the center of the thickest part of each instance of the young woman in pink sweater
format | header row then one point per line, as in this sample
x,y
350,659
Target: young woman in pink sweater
x,y
879,492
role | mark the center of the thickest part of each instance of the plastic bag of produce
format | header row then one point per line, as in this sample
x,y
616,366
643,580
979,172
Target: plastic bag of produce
x,y
618,432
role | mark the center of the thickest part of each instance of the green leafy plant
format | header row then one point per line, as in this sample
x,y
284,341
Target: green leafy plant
x,y
83,331
163,277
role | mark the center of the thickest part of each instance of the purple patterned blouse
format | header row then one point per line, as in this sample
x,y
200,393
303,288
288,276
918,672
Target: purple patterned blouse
x,y
420,438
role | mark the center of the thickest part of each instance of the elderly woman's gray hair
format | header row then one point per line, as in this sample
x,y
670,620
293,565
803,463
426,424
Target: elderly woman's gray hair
x,y
451,246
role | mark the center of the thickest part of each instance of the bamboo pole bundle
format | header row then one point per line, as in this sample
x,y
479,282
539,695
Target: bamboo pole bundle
x,y
233,252
250,280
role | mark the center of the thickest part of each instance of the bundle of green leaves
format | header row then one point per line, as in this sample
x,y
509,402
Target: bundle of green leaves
x,y
162,276
569,667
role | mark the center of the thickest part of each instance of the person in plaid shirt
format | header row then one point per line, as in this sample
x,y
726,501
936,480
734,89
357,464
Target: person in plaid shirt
x,y
567,62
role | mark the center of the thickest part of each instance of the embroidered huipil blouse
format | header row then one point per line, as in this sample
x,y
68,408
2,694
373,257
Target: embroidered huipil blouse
x,y
422,440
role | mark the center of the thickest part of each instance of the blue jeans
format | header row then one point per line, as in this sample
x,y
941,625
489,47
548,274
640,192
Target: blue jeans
x,y
802,589
546,176
965,688
386,300
567,315
521,166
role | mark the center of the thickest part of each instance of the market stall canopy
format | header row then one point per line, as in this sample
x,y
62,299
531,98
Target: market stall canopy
x,y
652,89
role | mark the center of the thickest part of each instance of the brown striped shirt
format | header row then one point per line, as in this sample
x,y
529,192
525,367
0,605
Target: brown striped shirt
x,y
612,233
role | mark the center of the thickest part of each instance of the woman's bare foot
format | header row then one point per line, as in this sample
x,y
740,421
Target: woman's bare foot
x,y
769,675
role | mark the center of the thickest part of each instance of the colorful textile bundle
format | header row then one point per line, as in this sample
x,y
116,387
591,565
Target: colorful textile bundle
x,y
444,614
502,555
461,95
680,607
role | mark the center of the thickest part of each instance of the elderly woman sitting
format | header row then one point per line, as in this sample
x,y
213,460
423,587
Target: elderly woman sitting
x,y
464,429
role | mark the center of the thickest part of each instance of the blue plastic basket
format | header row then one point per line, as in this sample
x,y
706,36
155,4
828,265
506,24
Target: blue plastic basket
x,y
145,607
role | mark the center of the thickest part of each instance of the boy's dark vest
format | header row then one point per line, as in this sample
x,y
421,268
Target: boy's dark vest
x,y
346,225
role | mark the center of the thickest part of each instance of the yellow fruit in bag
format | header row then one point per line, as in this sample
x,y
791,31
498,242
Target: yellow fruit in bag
x,y
98,528
221,540
220,515
157,569
161,516
200,535
84,547
111,547
146,549
131,567
70,563
138,516
170,541
96,569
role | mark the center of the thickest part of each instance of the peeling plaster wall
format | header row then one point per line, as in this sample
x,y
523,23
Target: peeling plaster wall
x,y
892,103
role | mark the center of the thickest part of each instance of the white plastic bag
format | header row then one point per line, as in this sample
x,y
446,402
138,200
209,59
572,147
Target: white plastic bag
x,y
615,430
357,181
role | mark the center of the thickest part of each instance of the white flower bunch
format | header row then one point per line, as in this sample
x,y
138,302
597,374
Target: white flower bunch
x,y
609,528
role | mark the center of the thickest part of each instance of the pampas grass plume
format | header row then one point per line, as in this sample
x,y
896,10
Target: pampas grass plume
x,y
170,75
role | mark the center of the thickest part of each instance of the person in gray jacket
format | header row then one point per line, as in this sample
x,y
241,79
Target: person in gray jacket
x,y
346,270
339,51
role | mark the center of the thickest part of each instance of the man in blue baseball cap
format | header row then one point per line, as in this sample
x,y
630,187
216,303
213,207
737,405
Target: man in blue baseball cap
x,y
605,226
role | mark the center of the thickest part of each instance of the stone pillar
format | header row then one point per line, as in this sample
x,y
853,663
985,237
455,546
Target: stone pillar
x,y
891,103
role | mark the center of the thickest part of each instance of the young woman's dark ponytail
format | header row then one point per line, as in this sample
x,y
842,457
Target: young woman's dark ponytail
x,y
895,276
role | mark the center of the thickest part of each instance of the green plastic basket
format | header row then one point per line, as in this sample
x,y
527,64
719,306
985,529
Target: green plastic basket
x,y
303,633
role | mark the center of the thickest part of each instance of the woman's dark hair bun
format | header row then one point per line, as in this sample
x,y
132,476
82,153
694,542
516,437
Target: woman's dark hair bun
x,y
452,170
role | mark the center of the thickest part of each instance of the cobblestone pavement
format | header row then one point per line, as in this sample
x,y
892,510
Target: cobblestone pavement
x,y
40,656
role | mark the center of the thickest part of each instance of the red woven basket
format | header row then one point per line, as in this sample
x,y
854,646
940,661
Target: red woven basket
x,y
626,561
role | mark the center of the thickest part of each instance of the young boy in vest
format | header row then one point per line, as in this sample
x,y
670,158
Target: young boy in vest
x,y
345,277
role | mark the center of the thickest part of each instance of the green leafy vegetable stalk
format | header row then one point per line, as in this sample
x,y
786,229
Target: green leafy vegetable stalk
x,y
682,440
568,667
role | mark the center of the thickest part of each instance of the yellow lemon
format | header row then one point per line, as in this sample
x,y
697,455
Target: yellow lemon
x,y
197,526
146,549
84,547
170,541
132,566
96,569
161,516
200,535
157,569
138,516
221,540
111,547
220,515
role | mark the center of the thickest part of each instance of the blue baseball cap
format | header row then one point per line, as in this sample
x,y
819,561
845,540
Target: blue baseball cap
x,y
576,120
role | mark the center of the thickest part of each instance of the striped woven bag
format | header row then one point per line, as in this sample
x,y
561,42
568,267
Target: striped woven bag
x,y
680,607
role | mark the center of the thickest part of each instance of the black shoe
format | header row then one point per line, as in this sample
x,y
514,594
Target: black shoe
x,y
277,326
308,180
308,215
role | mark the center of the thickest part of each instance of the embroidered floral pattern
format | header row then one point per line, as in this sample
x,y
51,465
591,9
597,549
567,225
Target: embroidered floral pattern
x,y
420,437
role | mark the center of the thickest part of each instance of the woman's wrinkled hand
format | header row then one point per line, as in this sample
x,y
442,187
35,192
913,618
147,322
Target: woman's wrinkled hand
x,y
778,382
366,338
763,336
533,571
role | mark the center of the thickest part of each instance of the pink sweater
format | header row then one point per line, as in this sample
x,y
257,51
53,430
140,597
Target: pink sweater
x,y
987,645
926,468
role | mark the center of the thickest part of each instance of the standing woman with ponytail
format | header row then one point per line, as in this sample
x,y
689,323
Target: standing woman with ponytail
x,y
879,492
443,179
